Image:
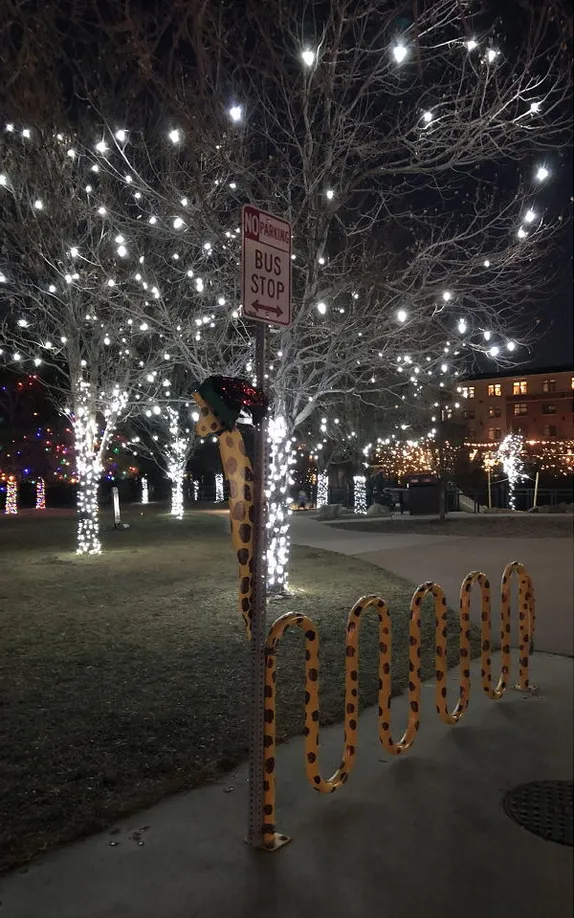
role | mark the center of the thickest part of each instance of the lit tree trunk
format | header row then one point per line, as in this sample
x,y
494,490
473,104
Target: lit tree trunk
x,y
88,471
176,475
278,500
178,453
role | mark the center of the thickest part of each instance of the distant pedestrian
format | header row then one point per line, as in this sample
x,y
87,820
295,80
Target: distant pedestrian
x,y
302,500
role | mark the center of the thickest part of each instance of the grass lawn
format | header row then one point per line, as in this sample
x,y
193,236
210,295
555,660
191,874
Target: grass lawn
x,y
125,677
519,527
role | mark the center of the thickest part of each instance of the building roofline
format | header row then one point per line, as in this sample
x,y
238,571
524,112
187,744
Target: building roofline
x,y
517,373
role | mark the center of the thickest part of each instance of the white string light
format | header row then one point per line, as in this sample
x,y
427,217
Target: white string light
x,y
219,493
359,494
322,489
509,454
145,490
278,501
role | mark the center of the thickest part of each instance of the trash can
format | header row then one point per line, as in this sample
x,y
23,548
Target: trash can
x,y
423,494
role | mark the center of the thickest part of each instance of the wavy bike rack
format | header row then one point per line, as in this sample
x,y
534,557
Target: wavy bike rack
x,y
271,838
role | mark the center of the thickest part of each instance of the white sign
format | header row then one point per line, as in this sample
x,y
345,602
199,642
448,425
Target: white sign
x,y
266,261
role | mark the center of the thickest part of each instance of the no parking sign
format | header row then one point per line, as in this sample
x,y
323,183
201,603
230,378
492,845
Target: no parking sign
x,y
266,267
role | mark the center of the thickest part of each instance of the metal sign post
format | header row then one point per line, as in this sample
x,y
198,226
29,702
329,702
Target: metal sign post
x,y
259,619
266,298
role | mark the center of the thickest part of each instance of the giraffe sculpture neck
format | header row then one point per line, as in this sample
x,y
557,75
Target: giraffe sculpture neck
x,y
239,473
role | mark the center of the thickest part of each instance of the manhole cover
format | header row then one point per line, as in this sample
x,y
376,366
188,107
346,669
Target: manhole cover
x,y
544,808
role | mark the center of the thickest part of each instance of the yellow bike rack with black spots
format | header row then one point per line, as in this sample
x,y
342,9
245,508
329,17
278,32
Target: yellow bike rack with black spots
x,y
271,838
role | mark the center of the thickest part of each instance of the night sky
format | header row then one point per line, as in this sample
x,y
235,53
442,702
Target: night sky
x,y
556,347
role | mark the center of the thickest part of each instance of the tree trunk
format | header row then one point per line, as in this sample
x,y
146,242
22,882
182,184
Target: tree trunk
x,y
278,501
177,494
88,470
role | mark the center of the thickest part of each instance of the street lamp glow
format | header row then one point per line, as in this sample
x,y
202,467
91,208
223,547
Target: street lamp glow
x,y
121,136
322,308
177,223
542,173
529,216
447,295
511,346
471,44
486,263
122,251
494,351
175,135
491,55
38,204
399,53
330,194
487,336
401,315
427,117
522,233
236,113
101,147
308,57
535,107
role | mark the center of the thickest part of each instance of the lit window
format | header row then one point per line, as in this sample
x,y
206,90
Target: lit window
x,y
494,433
549,409
520,408
572,382
549,385
467,391
495,389
494,411
519,387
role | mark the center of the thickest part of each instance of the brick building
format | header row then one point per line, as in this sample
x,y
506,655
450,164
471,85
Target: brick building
x,y
539,405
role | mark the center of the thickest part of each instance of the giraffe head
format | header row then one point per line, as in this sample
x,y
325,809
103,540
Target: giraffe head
x,y
208,424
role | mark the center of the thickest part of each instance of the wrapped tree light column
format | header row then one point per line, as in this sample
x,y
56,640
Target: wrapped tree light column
x,y
196,490
219,493
89,471
11,496
145,490
278,512
508,454
322,489
177,462
359,494
40,494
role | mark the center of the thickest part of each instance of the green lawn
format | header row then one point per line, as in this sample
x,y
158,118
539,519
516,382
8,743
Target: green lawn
x,y
124,677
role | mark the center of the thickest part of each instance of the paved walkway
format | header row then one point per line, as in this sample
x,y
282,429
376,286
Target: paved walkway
x,y
421,836
447,559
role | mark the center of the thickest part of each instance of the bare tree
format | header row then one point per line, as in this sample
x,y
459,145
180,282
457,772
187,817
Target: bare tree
x,y
164,432
407,154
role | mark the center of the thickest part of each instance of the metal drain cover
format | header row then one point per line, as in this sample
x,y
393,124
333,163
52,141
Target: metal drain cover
x,y
544,808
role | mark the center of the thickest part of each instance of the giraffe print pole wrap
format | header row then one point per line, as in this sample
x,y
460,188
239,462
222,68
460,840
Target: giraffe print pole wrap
x,y
271,838
239,473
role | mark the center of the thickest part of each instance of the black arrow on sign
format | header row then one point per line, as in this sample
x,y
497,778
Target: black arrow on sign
x,y
262,307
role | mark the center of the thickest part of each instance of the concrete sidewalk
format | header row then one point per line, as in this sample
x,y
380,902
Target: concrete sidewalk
x,y
422,836
447,560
